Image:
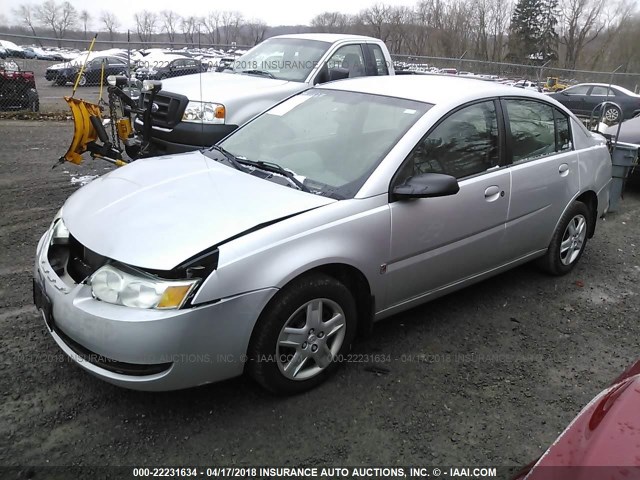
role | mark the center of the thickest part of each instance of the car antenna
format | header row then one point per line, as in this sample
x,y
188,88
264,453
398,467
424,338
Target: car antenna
x,y
75,85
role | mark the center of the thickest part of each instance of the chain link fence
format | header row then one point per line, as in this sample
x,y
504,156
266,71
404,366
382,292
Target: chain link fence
x,y
29,82
514,71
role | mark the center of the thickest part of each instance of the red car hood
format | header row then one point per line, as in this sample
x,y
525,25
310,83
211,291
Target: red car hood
x,y
605,434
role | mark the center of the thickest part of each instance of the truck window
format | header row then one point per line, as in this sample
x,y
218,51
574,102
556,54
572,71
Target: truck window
x,y
381,62
349,57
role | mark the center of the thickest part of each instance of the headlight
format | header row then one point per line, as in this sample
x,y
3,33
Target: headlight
x,y
59,233
204,112
139,290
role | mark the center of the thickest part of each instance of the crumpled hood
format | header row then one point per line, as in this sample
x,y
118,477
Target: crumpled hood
x,y
156,213
227,87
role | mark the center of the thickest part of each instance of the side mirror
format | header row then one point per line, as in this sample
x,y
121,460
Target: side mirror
x,y
338,73
427,185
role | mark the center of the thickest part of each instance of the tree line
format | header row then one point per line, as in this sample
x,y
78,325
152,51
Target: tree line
x,y
573,34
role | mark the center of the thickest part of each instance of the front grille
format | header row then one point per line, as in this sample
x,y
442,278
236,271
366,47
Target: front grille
x,y
82,261
170,108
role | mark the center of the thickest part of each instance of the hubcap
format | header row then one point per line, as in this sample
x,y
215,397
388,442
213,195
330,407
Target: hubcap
x,y
611,114
573,239
310,339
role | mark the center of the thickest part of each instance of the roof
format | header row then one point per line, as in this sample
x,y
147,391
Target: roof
x,y
433,89
327,37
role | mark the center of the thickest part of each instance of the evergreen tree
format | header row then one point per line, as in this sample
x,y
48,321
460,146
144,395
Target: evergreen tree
x,y
548,43
525,31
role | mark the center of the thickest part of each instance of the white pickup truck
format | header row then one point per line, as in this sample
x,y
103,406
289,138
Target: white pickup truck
x,y
196,111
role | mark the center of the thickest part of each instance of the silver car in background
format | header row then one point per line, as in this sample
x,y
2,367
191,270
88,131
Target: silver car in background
x,y
342,205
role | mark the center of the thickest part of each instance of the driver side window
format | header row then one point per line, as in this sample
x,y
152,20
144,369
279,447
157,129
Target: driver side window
x,y
349,57
464,144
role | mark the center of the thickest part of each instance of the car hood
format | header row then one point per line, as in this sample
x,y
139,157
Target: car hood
x,y
156,213
225,87
604,434
629,130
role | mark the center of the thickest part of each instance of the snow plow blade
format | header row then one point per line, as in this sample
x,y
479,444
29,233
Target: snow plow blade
x,y
87,130
83,130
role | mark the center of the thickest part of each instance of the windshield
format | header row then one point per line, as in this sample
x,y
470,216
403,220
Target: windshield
x,y
331,140
283,58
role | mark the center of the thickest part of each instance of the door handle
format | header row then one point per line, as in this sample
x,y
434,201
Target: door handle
x,y
492,193
563,170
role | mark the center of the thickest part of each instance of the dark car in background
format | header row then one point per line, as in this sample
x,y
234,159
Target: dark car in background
x,y
168,66
92,72
17,88
581,99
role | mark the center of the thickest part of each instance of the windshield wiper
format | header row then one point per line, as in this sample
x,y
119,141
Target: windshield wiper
x,y
229,156
264,73
275,168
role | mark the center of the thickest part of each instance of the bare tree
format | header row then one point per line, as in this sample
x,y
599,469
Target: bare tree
x,y
212,24
616,16
110,22
85,18
231,23
189,28
57,16
257,30
331,22
377,19
170,21
580,24
25,14
146,23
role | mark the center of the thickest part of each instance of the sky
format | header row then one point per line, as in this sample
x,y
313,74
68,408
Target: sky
x,y
273,12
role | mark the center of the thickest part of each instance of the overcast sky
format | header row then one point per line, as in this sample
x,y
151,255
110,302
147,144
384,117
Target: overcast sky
x,y
273,12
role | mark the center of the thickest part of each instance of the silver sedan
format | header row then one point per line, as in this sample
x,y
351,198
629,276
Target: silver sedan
x,y
347,203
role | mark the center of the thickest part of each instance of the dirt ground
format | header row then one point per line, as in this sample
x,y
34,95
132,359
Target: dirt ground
x,y
486,376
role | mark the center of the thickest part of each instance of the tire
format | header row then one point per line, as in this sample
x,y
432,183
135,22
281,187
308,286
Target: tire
x,y
569,240
33,100
291,349
60,81
83,80
612,114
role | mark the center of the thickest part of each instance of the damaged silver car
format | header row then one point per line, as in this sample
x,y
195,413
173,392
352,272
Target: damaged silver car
x,y
347,203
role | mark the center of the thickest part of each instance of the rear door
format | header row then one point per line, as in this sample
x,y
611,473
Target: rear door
x,y
437,242
544,172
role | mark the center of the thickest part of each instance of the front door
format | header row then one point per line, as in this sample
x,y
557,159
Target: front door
x,y
436,242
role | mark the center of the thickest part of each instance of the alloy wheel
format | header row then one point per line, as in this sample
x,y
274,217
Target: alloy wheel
x,y
573,239
310,339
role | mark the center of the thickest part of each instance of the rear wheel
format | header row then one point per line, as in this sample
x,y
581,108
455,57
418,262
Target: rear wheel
x,y
83,80
612,114
569,240
60,81
298,341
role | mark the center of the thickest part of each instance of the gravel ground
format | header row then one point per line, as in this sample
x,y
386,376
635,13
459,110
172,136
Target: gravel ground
x,y
486,376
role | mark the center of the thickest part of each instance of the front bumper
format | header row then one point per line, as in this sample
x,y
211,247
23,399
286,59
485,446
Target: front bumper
x,y
147,349
185,136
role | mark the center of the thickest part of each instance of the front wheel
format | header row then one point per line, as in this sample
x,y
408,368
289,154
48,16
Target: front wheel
x,y
569,240
83,80
302,334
